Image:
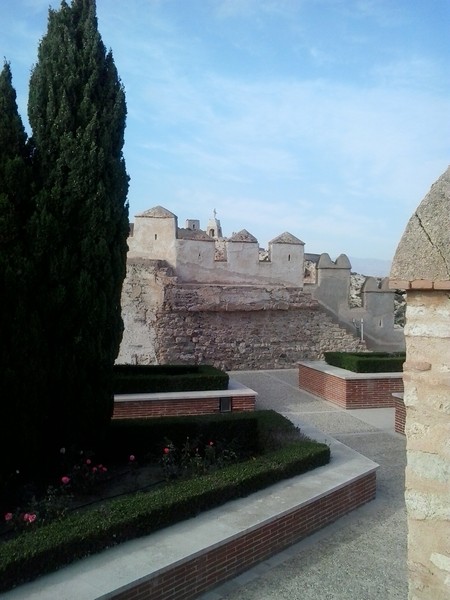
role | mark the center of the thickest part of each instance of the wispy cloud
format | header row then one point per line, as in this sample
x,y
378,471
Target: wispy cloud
x,y
321,118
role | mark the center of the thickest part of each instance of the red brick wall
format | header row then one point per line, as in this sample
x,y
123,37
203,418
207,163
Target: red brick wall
x,y
400,415
195,576
132,409
350,393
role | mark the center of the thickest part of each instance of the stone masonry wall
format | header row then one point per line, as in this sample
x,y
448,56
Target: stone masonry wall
x,y
427,400
421,266
231,327
142,294
248,340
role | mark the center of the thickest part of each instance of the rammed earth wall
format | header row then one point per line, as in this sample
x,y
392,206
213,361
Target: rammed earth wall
x,y
230,326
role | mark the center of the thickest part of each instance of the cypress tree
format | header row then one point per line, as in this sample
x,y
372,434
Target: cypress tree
x,y
19,323
77,114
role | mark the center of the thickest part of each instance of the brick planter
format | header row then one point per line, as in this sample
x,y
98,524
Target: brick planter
x,y
187,559
203,571
400,413
237,398
348,389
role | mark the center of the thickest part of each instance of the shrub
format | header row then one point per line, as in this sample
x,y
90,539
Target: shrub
x,y
42,549
135,379
367,362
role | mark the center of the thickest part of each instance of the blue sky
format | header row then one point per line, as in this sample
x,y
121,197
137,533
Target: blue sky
x,y
325,118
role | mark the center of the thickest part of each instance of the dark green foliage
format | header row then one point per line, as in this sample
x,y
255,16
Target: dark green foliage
x,y
135,379
20,328
52,546
144,437
77,114
253,432
367,362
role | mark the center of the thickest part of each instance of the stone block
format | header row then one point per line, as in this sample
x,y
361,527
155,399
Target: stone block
x,y
422,505
429,466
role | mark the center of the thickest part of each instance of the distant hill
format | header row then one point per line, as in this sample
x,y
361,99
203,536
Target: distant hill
x,y
373,267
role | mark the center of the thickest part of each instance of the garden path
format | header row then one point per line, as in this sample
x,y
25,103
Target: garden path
x,y
363,555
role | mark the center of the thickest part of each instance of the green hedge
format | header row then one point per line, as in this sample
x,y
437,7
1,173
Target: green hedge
x,y
147,436
140,379
52,546
250,430
367,362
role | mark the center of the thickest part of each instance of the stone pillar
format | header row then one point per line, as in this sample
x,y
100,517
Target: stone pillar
x,y
421,266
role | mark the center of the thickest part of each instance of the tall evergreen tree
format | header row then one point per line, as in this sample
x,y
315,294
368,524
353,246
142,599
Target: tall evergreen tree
x,y
19,322
77,114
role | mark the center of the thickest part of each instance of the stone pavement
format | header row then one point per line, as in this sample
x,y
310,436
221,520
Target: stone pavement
x,y
363,555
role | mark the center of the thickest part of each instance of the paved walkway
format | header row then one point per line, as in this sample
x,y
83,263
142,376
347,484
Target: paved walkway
x,y
363,555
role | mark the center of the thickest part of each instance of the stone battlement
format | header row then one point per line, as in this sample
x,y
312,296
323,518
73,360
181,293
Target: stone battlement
x,y
192,295
199,256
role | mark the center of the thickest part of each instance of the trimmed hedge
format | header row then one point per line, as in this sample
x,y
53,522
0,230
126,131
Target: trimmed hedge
x,y
141,379
52,546
367,362
147,436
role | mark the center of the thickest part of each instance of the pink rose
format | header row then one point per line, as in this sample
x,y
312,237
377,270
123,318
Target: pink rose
x,y
8,517
65,480
166,450
104,469
132,457
88,461
94,469
29,517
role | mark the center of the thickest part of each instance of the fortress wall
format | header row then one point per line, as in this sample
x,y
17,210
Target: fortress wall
x,y
153,242
195,260
142,294
376,313
199,258
243,257
230,326
239,340
195,263
289,258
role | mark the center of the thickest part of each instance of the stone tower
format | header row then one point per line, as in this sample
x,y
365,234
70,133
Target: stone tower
x,y
214,229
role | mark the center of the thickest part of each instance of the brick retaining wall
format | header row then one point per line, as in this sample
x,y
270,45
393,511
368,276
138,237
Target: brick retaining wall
x,y
347,389
400,413
197,574
160,407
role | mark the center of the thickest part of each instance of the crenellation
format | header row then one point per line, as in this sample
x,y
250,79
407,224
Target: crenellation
x,y
374,319
196,296
207,257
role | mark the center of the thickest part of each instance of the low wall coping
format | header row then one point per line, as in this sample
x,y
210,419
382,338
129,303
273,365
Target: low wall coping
x,y
235,389
119,568
321,365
